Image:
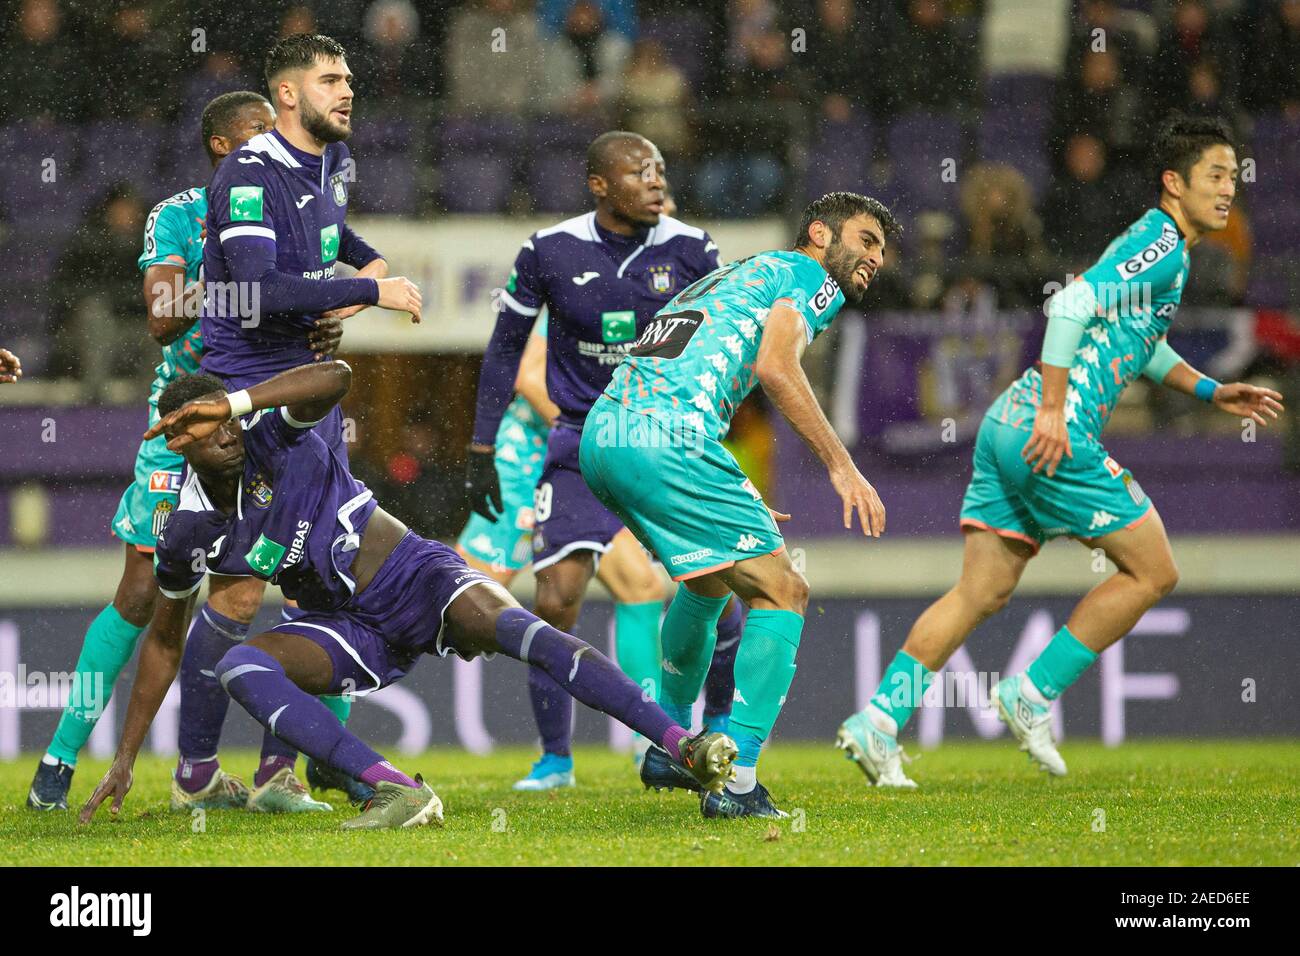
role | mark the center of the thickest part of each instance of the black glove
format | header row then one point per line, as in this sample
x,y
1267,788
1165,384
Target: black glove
x,y
482,484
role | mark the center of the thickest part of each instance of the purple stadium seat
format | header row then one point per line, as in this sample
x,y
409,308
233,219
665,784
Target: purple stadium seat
x,y
1276,224
920,142
557,181
683,37
839,158
24,151
563,132
1014,137
382,135
122,151
462,135
1030,93
475,183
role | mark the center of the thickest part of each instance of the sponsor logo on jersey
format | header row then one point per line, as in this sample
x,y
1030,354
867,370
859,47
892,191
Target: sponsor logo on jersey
x,y
246,203
661,279
667,334
618,326
299,542
677,559
748,485
338,189
264,557
1152,253
165,482
258,490
161,512
825,296
1113,467
329,243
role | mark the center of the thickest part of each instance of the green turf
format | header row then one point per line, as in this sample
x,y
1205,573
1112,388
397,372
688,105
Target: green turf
x,y
1185,803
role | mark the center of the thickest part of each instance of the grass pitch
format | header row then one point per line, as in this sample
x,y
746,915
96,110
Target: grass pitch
x,y
1149,803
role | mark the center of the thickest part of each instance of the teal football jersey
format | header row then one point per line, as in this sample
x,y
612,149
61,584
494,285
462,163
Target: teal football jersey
x,y
173,234
694,363
1132,293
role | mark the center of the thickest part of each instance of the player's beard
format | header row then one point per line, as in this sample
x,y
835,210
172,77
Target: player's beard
x,y
318,125
840,265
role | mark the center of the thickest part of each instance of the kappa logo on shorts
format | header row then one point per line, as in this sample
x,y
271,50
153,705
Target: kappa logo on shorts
x,y
748,542
165,482
1100,519
677,559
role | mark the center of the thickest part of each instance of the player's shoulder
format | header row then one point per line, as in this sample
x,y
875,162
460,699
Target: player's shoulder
x,y
180,205
1152,239
577,228
254,162
669,230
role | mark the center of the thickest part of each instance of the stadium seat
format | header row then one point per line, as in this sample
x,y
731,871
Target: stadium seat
x,y
557,181
475,183
920,142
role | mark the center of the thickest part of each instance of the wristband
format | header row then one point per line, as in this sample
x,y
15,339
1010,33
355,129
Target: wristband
x,y
240,403
1205,389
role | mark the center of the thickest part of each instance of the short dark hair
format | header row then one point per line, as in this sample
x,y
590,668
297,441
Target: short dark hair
x,y
1181,139
186,389
298,51
219,115
603,149
836,208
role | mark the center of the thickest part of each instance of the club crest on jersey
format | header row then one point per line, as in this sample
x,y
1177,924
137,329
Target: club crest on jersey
x,y
338,190
165,482
825,296
661,279
258,491
161,512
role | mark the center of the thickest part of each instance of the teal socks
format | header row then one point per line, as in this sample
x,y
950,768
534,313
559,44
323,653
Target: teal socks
x,y
689,632
764,671
1062,662
109,643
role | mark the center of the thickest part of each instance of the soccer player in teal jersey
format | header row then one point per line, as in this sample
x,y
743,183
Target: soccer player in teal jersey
x,y
1041,470
171,261
651,451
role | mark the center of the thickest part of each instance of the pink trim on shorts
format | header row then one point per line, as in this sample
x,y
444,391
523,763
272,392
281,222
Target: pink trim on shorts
x,y
1001,532
1134,524
718,567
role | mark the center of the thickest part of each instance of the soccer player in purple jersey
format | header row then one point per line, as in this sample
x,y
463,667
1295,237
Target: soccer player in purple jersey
x,y
276,231
265,495
601,277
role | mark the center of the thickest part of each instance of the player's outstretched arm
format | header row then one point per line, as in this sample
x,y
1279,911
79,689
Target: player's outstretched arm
x,y
307,393
374,269
783,379
1170,369
11,370
160,659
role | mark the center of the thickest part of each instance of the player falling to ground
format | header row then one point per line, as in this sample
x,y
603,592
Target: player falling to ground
x,y
11,370
276,232
1041,471
651,451
375,596
171,261
601,276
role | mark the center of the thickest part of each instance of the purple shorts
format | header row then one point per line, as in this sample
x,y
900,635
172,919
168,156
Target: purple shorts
x,y
330,428
567,516
378,635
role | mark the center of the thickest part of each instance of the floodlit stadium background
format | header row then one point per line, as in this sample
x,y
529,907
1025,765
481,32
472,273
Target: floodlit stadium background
x,y
1009,135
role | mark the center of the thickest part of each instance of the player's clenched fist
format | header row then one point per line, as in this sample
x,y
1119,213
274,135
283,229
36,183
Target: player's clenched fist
x,y
401,295
857,494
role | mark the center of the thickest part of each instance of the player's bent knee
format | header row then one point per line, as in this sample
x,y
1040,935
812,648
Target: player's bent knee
x,y
242,659
239,600
796,588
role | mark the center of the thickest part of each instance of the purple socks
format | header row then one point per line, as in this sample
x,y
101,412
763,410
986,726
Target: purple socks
x,y
553,711
378,773
298,720
720,683
203,702
579,670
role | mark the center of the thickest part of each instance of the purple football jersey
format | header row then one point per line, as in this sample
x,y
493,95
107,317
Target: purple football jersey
x,y
298,519
275,231
600,290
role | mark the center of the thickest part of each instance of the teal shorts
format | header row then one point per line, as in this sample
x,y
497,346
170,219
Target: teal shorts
x,y
151,499
1089,496
679,491
507,543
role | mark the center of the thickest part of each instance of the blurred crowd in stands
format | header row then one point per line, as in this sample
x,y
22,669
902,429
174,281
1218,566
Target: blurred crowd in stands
x,y
1011,135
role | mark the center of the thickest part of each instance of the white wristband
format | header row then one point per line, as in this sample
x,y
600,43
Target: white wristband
x,y
240,403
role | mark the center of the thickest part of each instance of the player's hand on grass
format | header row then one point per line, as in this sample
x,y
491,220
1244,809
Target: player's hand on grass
x,y
193,421
858,495
1049,443
116,784
11,370
482,483
1248,401
401,295
325,336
